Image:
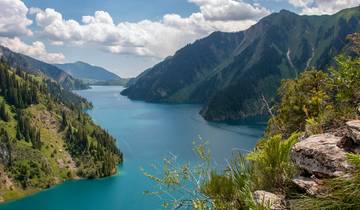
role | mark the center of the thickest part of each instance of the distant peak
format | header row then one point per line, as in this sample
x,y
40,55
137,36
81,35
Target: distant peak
x,y
284,11
80,62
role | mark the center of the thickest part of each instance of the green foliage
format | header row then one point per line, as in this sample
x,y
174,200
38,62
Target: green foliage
x,y
94,149
25,131
345,80
48,126
301,99
201,187
273,167
4,115
27,172
17,93
181,185
233,189
221,189
318,101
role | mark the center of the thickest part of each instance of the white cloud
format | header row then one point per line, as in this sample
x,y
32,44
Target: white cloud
x,y
149,38
13,20
36,49
300,3
230,10
321,7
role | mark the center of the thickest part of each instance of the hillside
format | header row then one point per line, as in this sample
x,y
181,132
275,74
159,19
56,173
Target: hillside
x,y
90,74
86,71
31,65
230,72
45,138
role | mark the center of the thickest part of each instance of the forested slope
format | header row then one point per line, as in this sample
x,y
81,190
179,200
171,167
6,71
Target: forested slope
x,y
46,137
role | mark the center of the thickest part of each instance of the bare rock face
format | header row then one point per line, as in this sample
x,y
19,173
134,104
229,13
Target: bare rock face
x,y
319,155
269,200
354,130
5,155
311,186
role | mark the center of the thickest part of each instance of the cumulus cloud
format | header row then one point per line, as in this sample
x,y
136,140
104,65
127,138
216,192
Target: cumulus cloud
x,y
13,19
230,10
321,7
36,49
159,38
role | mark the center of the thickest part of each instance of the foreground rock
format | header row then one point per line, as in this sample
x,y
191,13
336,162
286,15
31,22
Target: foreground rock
x,y
269,200
354,130
319,155
311,186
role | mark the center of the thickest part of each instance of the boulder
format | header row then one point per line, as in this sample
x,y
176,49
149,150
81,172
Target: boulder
x,y
269,200
319,155
354,130
311,186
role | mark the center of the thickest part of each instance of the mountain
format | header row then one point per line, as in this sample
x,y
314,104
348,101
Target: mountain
x,y
230,73
86,71
32,65
92,74
45,137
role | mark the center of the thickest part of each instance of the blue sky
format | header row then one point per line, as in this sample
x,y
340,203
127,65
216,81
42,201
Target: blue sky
x,y
128,36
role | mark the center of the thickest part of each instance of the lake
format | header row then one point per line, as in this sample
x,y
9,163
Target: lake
x,y
145,133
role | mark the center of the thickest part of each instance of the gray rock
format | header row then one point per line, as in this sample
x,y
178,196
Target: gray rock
x,y
354,130
4,154
269,200
320,156
311,186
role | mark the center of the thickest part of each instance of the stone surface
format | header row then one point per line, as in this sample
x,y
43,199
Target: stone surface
x,y
354,130
319,155
269,200
311,186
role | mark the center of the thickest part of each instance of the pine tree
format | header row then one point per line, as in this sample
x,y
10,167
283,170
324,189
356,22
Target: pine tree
x,y
4,115
64,122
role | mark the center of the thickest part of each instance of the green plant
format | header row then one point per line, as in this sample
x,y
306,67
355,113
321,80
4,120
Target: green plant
x,y
272,164
201,187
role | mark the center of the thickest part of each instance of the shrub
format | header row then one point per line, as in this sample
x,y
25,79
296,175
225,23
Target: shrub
x,y
272,164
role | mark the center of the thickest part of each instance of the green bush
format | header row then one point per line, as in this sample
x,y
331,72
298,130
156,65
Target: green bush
x,y
318,101
273,167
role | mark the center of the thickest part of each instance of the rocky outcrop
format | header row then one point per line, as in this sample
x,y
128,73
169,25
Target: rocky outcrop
x,y
312,186
354,130
269,200
321,156
5,154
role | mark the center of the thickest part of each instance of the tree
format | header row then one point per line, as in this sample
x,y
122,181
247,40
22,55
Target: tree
x,y
4,115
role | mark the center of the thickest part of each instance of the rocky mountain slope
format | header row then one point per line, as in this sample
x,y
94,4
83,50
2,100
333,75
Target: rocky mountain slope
x,y
230,72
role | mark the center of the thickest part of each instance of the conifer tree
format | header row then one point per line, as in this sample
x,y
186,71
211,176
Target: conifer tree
x,y
4,115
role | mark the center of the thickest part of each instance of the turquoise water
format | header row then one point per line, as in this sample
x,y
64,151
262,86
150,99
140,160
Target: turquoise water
x,y
146,133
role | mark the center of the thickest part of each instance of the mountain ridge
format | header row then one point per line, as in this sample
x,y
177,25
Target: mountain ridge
x,y
91,74
32,65
230,72
82,70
